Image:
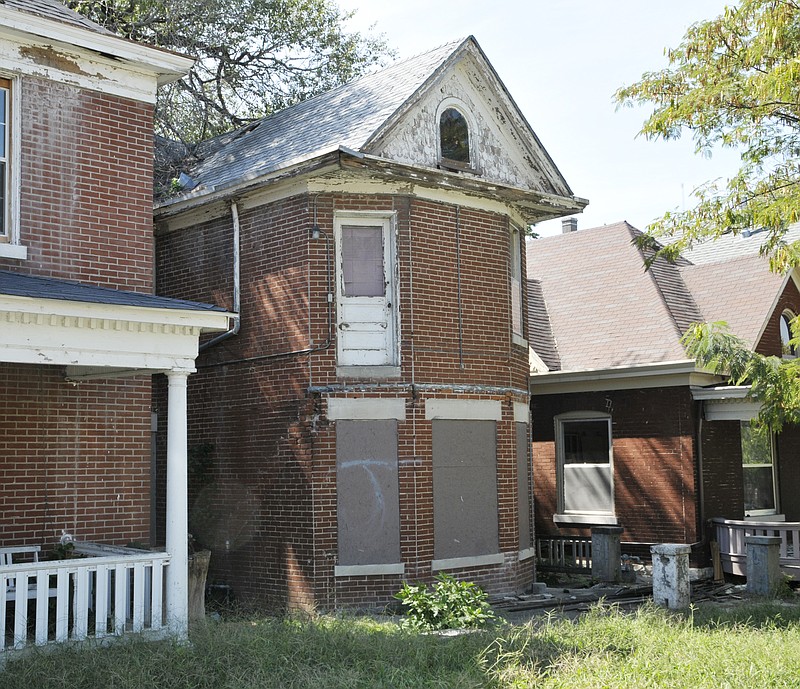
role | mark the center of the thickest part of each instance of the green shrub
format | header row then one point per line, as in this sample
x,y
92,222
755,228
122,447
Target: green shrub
x,y
448,604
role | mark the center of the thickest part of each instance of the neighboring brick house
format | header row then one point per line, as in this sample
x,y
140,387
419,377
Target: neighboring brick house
x,y
626,429
368,423
82,332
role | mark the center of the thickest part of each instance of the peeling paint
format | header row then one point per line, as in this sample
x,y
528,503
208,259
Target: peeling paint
x,y
50,57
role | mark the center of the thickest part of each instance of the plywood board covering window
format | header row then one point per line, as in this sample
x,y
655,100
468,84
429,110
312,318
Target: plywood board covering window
x,y
5,151
368,507
464,489
523,485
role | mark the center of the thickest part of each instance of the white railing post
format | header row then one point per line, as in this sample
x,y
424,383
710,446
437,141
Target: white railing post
x,y
177,531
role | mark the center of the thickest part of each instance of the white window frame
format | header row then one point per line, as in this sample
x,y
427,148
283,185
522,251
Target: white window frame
x,y
789,316
447,163
515,282
10,246
582,516
388,220
772,465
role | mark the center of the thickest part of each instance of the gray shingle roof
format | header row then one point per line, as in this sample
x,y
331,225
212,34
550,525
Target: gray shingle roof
x,y
52,9
346,116
541,332
728,246
605,310
19,285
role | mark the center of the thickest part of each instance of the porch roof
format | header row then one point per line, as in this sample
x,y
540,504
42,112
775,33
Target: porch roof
x,y
99,331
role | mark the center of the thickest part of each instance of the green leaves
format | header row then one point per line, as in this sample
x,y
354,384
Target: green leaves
x,y
449,604
774,382
254,56
734,82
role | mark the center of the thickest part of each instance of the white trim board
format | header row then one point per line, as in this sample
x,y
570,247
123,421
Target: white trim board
x,y
366,408
469,410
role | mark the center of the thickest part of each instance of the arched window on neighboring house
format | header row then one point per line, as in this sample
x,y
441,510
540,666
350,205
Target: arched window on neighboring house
x,y
454,139
787,349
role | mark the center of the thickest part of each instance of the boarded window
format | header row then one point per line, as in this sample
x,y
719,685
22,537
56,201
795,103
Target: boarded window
x,y
516,283
454,134
367,489
523,486
464,489
362,261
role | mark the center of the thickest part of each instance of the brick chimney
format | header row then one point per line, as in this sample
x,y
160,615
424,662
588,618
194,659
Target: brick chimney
x,y
569,225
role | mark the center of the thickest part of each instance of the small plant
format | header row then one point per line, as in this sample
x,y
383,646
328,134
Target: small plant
x,y
62,551
448,604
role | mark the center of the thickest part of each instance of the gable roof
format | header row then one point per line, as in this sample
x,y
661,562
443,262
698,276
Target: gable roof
x,y
740,291
354,117
730,246
605,310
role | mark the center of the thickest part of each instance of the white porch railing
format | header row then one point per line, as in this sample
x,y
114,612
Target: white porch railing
x,y
82,598
730,535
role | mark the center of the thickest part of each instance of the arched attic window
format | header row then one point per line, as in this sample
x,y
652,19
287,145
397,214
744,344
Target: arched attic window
x,y
787,349
454,140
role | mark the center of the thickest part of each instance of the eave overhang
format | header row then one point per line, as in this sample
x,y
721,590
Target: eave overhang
x,y
662,374
532,206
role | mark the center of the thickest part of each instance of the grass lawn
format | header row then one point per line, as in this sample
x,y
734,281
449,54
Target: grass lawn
x,y
749,646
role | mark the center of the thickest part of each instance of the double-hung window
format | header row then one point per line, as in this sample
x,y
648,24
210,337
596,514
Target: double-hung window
x,y
9,170
585,468
5,158
758,471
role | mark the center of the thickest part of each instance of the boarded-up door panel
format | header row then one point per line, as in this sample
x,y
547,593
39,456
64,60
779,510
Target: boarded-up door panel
x,y
367,489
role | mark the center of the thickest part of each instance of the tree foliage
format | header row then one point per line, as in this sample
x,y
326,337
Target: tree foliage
x,y
254,56
774,382
734,82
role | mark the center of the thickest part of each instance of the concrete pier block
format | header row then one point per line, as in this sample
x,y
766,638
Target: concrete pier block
x,y
671,586
606,554
763,565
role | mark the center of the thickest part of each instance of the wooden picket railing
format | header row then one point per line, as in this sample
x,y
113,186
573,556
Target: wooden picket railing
x,y
95,597
730,535
564,554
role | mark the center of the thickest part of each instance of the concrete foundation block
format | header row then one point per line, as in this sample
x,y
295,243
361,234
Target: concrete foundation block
x,y
606,554
764,575
671,587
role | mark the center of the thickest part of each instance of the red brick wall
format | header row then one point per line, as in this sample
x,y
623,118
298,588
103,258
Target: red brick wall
x,y
73,458
86,186
654,466
723,488
770,342
274,457
788,452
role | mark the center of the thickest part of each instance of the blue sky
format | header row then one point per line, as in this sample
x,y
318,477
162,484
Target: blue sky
x,y
562,60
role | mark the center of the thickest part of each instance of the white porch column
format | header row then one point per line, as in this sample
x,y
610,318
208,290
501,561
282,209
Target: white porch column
x,y
177,527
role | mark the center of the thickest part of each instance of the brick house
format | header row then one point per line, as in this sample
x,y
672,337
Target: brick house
x,y
626,429
367,423
82,331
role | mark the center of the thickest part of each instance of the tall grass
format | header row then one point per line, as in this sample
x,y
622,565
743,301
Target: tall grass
x,y
755,647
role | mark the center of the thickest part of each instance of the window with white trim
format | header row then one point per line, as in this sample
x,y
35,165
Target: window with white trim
x,y
516,282
788,350
585,468
758,471
5,159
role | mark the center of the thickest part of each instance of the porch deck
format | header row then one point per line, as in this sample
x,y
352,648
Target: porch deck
x,y
730,535
107,594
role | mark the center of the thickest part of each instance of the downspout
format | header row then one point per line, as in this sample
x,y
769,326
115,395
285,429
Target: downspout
x,y
237,320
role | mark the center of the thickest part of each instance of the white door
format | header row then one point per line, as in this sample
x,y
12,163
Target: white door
x,y
365,314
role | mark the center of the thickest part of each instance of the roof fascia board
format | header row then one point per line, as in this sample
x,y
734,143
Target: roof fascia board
x,y
527,202
166,65
665,374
